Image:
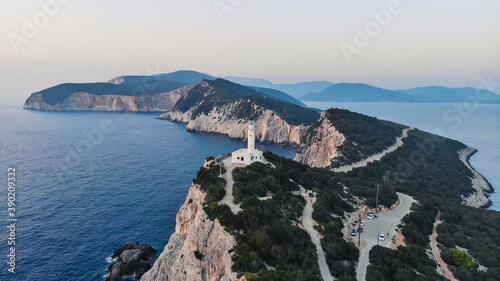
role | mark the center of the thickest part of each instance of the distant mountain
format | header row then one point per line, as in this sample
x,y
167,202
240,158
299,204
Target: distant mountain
x,y
279,95
182,76
255,82
358,92
300,89
442,95
294,90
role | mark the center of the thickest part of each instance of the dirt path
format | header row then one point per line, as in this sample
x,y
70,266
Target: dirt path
x,y
308,224
435,250
228,176
376,157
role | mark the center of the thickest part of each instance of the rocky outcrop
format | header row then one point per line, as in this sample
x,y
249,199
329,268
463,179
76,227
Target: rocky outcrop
x,y
225,119
200,249
320,144
482,187
90,102
132,259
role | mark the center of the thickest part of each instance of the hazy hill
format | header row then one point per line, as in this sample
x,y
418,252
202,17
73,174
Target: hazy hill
x,y
356,92
256,82
442,94
294,90
279,95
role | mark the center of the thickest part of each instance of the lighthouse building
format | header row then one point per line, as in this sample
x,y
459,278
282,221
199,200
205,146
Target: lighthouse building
x,y
250,154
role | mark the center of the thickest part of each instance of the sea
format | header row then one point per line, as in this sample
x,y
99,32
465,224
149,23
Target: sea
x,y
87,182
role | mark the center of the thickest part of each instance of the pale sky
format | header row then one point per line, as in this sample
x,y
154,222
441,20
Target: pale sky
x,y
427,42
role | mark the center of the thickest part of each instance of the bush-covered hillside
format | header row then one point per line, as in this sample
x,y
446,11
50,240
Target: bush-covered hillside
x,y
426,163
365,135
202,100
475,230
270,244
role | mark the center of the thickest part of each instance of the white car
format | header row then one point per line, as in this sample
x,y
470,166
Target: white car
x,y
371,216
362,223
382,236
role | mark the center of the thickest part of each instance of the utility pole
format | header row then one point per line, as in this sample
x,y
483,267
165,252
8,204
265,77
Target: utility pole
x,y
385,179
376,200
378,235
359,232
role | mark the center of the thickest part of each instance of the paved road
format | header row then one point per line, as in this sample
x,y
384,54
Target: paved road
x,y
376,157
385,222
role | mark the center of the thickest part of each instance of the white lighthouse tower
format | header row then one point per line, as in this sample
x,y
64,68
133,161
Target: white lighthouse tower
x,y
250,154
251,137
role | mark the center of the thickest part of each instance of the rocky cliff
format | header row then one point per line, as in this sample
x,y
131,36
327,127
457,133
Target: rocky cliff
x,y
320,145
199,249
226,119
110,102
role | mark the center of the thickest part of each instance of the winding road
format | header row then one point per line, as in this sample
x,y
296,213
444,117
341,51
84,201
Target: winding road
x,y
378,156
385,222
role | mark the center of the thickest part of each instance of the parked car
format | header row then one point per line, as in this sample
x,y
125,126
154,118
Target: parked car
x,y
362,223
353,232
371,216
382,236
360,229
311,194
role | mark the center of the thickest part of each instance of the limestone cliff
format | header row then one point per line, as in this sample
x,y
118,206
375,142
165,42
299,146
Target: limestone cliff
x,y
320,145
195,232
110,102
226,119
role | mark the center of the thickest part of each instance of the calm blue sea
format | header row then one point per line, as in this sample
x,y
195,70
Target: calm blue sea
x,y
476,125
89,182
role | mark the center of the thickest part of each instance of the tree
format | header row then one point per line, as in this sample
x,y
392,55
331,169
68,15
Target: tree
x,y
461,258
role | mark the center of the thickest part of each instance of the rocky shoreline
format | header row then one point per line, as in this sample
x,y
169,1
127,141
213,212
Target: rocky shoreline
x,y
480,198
271,128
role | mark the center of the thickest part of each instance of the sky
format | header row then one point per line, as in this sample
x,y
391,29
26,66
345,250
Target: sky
x,y
390,44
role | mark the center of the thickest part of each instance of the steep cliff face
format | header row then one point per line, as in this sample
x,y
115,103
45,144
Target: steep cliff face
x,y
91,102
320,145
195,232
225,119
